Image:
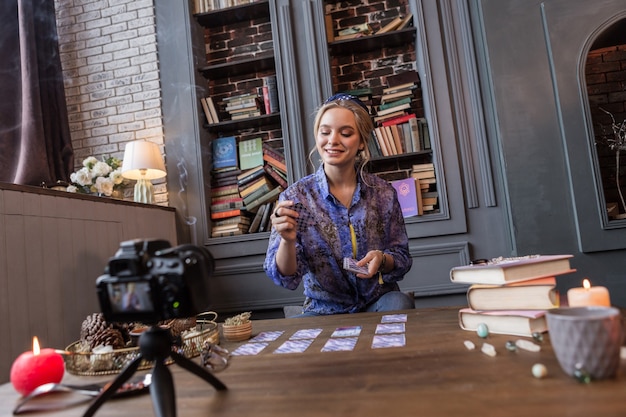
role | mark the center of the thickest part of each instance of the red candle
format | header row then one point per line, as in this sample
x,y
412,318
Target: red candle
x,y
32,369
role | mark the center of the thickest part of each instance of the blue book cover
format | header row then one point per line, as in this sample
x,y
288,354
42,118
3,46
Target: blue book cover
x,y
224,152
407,196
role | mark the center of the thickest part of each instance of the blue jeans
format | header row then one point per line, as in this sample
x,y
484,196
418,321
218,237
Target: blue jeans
x,y
391,301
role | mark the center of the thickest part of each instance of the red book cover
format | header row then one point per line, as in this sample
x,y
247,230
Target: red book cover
x,y
399,119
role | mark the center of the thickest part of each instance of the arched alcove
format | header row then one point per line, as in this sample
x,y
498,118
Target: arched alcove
x,y
605,75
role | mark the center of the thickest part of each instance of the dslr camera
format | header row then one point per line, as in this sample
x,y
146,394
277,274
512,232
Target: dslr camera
x,y
150,281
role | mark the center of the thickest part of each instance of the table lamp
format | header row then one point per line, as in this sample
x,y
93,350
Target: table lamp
x,y
143,162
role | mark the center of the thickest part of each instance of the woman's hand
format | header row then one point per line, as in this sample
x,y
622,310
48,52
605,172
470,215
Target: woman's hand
x,y
284,220
373,261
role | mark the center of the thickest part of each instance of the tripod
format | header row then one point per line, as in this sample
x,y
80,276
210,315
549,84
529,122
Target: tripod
x,y
155,344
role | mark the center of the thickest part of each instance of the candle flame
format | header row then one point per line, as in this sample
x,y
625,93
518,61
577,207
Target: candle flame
x,y
586,284
36,349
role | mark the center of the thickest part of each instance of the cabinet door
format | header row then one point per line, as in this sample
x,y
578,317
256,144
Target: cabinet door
x,y
247,163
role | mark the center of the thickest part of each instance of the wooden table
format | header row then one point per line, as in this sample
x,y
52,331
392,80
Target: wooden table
x,y
433,375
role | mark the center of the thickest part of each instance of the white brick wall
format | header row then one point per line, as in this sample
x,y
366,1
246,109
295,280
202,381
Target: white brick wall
x,y
111,72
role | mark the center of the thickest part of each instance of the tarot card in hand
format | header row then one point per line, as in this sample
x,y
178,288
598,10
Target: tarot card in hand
x,y
349,264
305,218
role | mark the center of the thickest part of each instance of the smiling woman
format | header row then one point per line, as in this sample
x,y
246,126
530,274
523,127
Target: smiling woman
x,y
356,216
35,144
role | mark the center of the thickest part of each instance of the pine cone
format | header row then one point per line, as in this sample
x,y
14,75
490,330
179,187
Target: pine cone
x,y
109,337
93,325
177,326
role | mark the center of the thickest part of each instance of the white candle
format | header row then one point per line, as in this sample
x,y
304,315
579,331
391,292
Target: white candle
x,y
588,296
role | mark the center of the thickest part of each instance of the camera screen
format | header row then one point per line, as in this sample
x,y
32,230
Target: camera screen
x,y
127,297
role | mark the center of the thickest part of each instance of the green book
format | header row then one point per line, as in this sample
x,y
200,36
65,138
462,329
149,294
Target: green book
x,y
250,153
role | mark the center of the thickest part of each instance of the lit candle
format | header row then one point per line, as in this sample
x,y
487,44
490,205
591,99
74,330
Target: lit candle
x,y
588,296
32,369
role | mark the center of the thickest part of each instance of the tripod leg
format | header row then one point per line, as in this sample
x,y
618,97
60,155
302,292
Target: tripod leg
x,y
197,370
113,386
162,391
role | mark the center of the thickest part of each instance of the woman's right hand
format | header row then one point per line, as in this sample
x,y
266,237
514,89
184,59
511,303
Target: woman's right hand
x,y
284,220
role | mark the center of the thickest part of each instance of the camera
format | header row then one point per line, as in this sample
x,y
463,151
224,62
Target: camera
x,y
149,281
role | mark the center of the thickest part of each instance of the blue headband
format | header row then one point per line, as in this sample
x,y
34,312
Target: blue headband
x,y
345,96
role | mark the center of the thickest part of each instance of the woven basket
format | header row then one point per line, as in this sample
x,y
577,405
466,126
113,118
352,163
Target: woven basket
x,y
93,364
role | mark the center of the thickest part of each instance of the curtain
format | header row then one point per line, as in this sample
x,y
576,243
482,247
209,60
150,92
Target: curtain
x,y
35,143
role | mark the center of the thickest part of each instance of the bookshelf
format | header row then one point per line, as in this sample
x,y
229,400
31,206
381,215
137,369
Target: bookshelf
x,y
242,86
371,64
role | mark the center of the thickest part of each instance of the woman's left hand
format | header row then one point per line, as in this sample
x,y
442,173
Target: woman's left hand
x,y
372,260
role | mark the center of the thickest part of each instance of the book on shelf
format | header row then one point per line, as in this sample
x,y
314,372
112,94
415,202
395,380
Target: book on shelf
x,y
224,152
256,194
207,112
407,196
396,135
212,110
226,204
245,115
330,27
399,120
402,79
267,197
242,218
393,25
511,322
224,190
265,221
230,227
406,21
271,85
251,187
225,213
416,140
535,294
380,139
430,198
505,270
241,105
395,96
395,103
250,175
394,109
250,153
256,221
275,163
269,170
397,113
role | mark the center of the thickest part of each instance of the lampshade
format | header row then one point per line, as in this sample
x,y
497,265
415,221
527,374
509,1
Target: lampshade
x,y
143,161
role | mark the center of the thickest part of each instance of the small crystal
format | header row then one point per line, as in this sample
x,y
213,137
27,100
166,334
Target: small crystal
x,y
582,376
469,345
488,350
538,337
539,370
527,345
510,346
482,330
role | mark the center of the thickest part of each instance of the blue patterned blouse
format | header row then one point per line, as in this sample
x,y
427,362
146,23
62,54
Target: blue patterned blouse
x,y
377,220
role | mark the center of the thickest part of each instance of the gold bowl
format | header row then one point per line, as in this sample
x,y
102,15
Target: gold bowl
x,y
237,332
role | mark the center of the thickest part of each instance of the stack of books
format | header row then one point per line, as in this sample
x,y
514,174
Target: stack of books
x,y
269,93
511,295
242,106
246,180
424,175
398,130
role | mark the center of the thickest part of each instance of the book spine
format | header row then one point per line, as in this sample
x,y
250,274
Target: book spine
x,y
272,173
275,163
226,213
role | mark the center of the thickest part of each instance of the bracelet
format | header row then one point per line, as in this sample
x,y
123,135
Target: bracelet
x,y
383,262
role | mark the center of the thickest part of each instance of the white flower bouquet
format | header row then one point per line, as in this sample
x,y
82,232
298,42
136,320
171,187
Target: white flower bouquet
x,y
101,177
